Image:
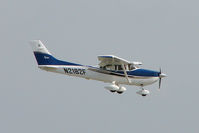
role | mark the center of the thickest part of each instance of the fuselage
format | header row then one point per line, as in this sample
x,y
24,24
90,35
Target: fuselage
x,y
138,77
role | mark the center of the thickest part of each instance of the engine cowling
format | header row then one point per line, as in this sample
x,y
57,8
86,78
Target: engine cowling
x,y
112,88
143,92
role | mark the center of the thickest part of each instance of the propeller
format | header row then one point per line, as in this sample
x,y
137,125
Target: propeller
x,y
161,75
160,78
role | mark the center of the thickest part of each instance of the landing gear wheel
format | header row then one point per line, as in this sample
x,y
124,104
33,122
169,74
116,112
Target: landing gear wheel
x,y
112,91
143,95
119,92
143,92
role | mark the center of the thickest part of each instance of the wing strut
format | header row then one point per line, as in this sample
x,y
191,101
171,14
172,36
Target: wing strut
x,y
125,73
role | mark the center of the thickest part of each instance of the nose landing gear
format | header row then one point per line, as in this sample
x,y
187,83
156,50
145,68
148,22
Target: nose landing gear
x,y
143,92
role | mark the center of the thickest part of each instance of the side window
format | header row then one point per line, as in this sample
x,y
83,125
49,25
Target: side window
x,y
116,67
104,67
120,67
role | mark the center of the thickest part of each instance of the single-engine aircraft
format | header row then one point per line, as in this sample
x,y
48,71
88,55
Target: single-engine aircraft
x,y
112,69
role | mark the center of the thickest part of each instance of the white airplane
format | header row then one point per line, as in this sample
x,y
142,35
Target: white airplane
x,y
112,69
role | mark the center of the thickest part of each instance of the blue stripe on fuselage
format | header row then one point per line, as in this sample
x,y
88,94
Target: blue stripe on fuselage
x,y
140,72
46,59
143,72
136,72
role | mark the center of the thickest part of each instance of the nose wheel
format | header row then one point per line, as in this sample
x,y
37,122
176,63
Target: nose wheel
x,y
143,92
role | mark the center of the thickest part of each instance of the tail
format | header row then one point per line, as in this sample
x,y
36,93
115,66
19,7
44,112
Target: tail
x,y
44,57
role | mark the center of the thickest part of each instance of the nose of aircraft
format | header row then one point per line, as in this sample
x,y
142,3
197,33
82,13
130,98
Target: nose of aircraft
x,y
162,75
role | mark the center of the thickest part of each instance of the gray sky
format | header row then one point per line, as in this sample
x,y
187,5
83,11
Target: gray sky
x,y
157,32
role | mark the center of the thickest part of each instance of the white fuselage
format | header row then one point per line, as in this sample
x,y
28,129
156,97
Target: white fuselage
x,y
89,72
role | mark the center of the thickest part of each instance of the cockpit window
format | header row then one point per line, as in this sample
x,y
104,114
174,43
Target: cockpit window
x,y
131,67
118,67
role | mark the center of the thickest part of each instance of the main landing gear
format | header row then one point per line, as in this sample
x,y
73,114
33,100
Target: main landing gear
x,y
115,88
119,92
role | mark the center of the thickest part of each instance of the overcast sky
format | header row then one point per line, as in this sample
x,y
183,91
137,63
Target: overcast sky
x,y
159,33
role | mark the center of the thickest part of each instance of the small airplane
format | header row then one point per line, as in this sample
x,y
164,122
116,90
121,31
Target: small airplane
x,y
112,69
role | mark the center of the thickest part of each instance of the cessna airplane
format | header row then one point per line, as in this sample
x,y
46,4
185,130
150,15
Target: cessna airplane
x,y
112,69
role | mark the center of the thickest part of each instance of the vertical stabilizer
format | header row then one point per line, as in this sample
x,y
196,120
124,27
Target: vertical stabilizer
x,y
38,46
44,57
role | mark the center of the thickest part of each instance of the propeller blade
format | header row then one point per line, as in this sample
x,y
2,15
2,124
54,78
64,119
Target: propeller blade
x,y
161,75
160,80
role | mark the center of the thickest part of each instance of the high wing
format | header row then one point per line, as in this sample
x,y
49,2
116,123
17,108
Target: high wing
x,y
114,60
